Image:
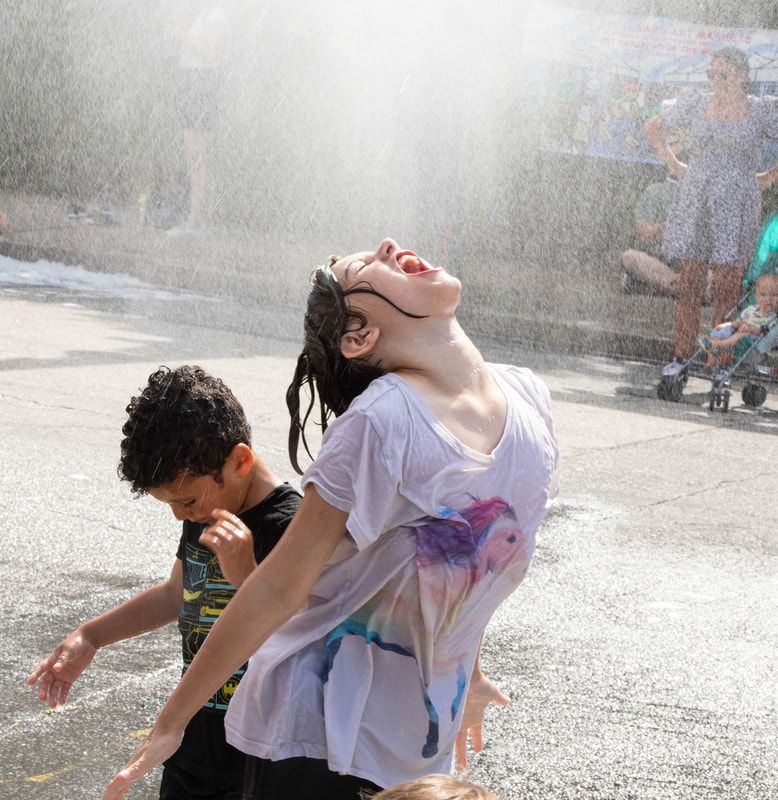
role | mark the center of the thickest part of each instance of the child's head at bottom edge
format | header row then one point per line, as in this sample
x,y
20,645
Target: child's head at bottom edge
x,y
435,787
187,443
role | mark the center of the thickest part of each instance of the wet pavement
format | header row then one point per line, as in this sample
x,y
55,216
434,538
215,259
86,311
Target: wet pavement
x,y
640,651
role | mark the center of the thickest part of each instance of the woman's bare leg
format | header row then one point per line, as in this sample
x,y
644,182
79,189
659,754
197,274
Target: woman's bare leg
x,y
727,283
692,279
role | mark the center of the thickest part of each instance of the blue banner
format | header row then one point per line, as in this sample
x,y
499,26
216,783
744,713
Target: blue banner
x,y
594,79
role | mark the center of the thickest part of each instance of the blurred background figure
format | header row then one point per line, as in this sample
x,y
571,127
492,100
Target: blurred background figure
x,y
714,220
205,37
645,269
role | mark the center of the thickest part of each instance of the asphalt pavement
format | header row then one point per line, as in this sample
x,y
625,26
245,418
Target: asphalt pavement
x,y
640,651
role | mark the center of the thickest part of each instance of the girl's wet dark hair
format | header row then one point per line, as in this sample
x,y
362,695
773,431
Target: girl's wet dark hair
x,y
329,377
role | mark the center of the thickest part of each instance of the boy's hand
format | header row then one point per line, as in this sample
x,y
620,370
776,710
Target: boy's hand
x,y
65,663
482,691
233,544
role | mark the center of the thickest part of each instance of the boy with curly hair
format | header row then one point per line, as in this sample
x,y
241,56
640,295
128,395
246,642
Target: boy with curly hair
x,y
187,443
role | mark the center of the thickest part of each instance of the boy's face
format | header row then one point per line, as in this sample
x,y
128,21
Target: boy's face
x,y
766,294
196,498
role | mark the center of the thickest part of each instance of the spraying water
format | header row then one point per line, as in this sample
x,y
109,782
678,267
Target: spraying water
x,y
336,123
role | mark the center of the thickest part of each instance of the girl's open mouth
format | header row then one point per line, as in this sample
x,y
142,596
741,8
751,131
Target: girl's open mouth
x,y
411,264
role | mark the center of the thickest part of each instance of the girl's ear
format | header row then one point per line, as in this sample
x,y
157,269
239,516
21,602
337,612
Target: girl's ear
x,y
359,343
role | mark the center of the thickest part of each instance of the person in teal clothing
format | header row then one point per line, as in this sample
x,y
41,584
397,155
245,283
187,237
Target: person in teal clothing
x,y
714,219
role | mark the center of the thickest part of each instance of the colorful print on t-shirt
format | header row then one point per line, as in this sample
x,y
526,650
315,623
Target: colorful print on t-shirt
x,y
454,552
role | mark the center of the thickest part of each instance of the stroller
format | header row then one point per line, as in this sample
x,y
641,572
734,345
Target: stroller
x,y
750,360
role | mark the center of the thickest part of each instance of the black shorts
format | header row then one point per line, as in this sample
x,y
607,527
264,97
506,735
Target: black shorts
x,y
198,96
177,784
301,779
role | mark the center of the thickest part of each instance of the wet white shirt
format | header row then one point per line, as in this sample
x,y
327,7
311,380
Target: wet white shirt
x,y
372,673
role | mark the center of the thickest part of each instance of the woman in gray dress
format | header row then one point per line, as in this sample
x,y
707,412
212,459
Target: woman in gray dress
x,y
714,220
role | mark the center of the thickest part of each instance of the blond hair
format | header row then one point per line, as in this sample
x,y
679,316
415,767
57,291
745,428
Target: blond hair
x,y
435,787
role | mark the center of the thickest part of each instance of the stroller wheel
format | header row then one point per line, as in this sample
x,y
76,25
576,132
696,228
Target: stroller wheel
x,y
719,398
754,395
669,388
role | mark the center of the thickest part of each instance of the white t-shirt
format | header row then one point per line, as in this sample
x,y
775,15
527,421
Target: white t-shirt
x,y
371,674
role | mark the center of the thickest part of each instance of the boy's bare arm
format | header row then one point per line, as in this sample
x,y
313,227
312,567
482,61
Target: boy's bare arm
x,y
147,611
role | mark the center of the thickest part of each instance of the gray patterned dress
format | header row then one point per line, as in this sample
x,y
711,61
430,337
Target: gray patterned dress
x,y
715,215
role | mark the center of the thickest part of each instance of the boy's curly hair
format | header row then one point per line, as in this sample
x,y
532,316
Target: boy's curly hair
x,y
184,421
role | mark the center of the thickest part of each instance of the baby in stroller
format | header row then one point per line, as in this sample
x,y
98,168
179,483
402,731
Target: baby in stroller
x,y
738,335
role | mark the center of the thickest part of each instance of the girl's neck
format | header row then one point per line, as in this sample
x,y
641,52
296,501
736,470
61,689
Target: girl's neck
x,y
454,382
446,358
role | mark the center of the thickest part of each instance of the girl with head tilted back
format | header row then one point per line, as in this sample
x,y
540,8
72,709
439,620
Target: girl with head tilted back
x,y
418,518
